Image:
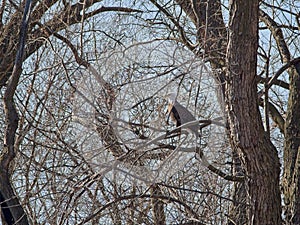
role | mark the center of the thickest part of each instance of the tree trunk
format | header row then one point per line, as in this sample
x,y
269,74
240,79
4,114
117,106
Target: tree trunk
x,y
11,208
207,17
291,181
257,153
291,127
12,211
238,212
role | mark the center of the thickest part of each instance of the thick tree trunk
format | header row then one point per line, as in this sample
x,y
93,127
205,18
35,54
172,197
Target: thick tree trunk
x,y
291,181
258,155
212,33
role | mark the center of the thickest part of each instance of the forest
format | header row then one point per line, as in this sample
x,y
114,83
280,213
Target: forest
x,y
160,112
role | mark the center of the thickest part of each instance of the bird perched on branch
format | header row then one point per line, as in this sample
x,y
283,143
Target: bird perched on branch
x,y
181,115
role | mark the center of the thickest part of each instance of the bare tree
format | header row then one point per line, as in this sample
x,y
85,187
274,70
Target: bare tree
x,y
87,140
258,155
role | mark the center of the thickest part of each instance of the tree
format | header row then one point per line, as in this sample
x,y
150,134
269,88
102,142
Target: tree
x,y
90,127
258,155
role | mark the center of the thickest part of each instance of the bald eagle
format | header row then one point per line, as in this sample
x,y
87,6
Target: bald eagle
x,y
180,115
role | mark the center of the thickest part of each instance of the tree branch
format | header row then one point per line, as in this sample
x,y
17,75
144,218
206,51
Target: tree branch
x,y
190,211
11,120
277,34
273,80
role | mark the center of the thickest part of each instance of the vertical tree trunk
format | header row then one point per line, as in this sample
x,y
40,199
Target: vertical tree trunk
x,y
212,33
291,182
257,153
11,208
238,212
291,158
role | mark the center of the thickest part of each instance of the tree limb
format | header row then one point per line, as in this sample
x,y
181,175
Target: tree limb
x,y
8,154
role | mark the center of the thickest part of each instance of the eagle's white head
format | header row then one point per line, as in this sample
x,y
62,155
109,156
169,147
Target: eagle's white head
x,y
172,97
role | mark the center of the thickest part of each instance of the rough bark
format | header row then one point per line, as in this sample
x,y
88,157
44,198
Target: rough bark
x,y
208,18
291,128
238,212
259,156
291,181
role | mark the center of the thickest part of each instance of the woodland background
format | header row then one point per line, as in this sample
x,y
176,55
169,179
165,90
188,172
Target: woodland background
x,y
85,138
